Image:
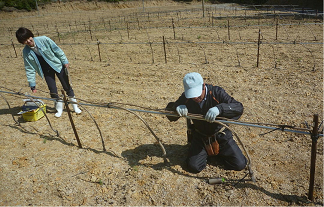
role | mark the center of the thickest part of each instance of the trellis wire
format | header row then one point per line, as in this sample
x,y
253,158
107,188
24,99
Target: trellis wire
x,y
314,133
164,42
167,113
166,27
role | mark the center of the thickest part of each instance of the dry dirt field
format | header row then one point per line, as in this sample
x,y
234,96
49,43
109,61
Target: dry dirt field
x,y
42,168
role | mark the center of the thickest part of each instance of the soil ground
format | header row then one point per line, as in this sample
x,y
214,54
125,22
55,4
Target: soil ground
x,y
42,168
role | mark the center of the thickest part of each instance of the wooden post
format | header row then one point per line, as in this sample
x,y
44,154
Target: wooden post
x,y
58,34
212,19
203,7
152,52
13,45
258,48
98,43
165,57
228,30
277,29
104,23
71,120
127,29
245,15
37,7
90,33
76,25
174,36
85,27
314,136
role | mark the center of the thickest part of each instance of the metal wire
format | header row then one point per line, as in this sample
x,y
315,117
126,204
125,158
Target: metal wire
x,y
284,128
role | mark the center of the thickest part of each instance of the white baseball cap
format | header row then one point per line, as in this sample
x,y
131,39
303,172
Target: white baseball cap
x,y
192,83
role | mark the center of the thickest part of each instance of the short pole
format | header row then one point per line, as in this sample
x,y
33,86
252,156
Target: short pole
x,y
58,35
174,35
98,43
314,136
71,120
127,26
228,30
203,7
259,42
165,57
277,29
13,45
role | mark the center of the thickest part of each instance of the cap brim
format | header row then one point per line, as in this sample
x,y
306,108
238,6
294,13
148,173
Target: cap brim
x,y
193,92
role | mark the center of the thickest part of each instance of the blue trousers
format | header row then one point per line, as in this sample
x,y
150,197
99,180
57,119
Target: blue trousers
x,y
229,152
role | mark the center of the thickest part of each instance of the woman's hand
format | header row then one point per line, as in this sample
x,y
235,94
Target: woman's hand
x,y
33,89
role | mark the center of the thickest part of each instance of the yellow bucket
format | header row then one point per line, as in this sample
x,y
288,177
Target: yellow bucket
x,y
32,112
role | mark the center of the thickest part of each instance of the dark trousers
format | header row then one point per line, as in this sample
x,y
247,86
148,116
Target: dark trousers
x,y
49,74
229,152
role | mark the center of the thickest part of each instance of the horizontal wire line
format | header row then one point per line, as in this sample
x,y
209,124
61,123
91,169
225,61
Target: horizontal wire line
x,y
189,42
191,116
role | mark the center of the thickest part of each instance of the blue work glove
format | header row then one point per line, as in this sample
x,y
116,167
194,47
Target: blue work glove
x,y
211,114
182,110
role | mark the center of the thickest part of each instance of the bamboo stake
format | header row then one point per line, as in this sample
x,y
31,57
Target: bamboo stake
x,y
104,23
212,19
228,30
152,52
76,25
165,57
127,26
174,36
245,15
58,34
203,7
258,48
13,45
90,33
98,43
138,24
71,120
314,137
277,29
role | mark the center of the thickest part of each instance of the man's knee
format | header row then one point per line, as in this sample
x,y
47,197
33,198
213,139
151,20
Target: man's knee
x,y
238,165
195,167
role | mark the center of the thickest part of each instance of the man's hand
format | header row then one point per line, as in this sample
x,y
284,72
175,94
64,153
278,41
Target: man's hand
x,y
182,110
211,114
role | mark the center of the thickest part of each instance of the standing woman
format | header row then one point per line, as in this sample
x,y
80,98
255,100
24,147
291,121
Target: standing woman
x,y
43,56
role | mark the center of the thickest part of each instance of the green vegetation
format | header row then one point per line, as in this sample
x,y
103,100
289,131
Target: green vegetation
x,y
20,4
31,4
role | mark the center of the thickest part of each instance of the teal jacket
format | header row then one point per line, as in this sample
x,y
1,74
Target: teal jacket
x,y
51,53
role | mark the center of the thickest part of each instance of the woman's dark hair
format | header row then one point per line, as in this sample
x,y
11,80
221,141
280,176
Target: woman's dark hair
x,y
23,34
